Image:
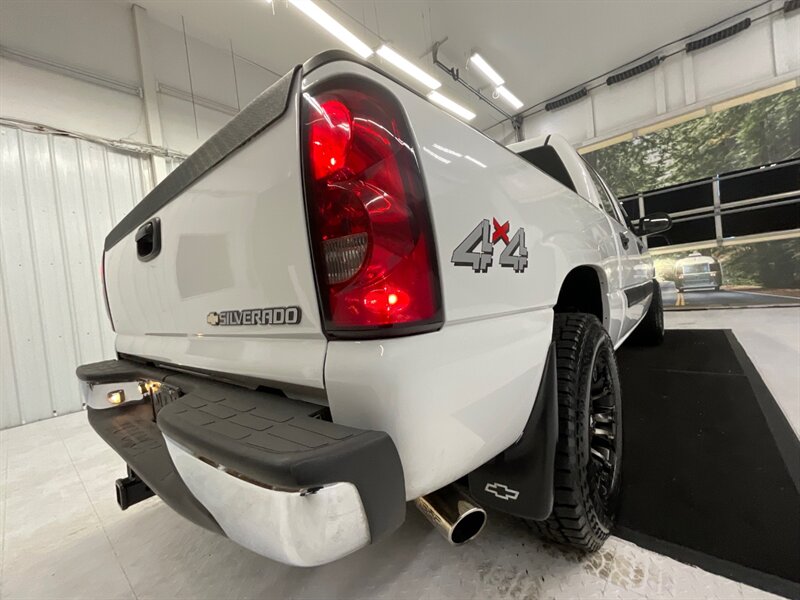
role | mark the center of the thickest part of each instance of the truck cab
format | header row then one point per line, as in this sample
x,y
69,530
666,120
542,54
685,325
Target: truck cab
x,y
632,266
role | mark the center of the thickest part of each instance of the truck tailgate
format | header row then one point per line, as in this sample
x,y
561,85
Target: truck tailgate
x,y
229,287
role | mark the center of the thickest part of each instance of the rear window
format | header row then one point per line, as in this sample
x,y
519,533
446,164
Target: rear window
x,y
548,160
696,268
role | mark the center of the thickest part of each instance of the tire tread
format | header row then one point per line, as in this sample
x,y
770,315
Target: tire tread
x,y
573,520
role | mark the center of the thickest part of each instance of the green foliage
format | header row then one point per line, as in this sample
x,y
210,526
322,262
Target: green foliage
x,y
769,264
765,130
773,264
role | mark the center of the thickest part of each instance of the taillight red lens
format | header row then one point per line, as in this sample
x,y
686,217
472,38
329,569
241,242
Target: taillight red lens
x,y
329,138
369,221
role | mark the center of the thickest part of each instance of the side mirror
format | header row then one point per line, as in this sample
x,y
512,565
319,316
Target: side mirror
x,y
653,223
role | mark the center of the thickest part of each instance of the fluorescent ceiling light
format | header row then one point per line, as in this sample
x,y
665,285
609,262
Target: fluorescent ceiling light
x,y
453,107
436,156
406,65
330,24
447,150
477,60
509,97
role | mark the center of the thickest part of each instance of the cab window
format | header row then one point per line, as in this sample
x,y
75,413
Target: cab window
x,y
623,214
605,196
607,199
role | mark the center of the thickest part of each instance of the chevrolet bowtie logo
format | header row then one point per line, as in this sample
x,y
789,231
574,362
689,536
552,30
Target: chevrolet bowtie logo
x,y
501,491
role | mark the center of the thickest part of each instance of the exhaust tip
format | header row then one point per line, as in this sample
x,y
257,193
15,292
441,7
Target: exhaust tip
x,y
468,526
453,514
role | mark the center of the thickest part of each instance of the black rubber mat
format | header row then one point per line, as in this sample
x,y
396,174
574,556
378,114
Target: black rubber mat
x,y
711,468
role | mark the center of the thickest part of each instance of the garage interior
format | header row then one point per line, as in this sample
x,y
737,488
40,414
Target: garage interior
x,y
690,108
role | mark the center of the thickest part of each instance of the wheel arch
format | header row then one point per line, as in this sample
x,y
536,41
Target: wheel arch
x,y
584,289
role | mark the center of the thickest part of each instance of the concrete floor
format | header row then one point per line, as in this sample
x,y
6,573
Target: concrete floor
x,y
64,537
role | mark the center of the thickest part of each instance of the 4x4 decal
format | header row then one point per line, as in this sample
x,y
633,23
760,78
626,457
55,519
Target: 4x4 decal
x,y
514,255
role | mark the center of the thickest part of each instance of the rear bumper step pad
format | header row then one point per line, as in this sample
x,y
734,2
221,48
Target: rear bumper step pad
x,y
132,433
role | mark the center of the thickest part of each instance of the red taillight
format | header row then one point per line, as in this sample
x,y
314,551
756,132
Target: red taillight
x,y
105,290
329,138
369,222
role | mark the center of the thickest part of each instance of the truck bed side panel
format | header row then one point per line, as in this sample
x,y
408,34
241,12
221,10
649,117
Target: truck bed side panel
x,y
470,178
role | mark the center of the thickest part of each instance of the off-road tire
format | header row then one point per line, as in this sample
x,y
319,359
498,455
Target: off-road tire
x,y
582,516
650,332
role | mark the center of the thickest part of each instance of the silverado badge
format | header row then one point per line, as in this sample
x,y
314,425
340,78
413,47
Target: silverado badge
x,y
278,315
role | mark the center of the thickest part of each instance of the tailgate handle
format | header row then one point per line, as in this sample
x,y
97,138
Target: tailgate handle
x,y
148,240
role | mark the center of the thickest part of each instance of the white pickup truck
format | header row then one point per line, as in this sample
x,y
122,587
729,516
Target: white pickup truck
x,y
348,299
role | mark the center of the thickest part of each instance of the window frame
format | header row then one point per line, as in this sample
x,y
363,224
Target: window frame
x,y
619,212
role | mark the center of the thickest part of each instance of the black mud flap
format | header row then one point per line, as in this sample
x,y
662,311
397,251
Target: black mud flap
x,y
519,481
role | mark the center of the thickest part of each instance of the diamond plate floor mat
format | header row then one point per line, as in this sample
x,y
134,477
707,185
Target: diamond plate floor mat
x,y
711,468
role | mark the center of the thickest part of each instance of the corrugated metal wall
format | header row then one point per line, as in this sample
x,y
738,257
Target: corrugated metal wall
x,y
59,198
172,162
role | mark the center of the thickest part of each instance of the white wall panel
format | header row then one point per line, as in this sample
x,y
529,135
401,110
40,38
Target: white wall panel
x,y
59,198
571,121
97,36
212,72
252,80
81,261
172,163
120,184
170,52
99,221
178,126
58,99
618,104
722,67
49,267
20,284
786,39
673,82
9,407
31,94
759,57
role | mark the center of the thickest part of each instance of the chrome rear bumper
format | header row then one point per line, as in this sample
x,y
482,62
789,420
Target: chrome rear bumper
x,y
262,469
303,528
101,396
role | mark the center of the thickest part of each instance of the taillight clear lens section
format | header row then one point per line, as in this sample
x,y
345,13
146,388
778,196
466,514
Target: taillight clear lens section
x,y
370,227
344,256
